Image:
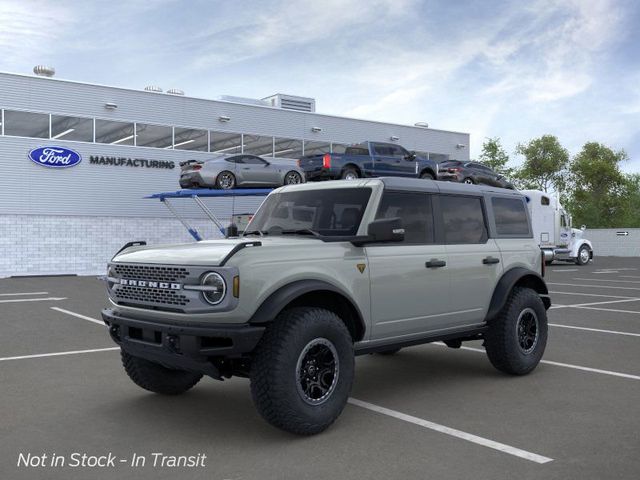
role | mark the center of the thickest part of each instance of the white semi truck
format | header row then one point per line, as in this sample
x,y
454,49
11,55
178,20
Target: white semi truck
x,y
553,231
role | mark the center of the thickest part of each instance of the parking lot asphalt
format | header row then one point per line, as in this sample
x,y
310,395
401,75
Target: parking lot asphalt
x,y
427,412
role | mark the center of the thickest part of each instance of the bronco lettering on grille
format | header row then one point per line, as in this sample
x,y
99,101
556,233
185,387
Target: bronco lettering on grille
x,y
149,284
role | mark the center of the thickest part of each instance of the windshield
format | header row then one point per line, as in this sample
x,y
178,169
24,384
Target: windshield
x,y
326,212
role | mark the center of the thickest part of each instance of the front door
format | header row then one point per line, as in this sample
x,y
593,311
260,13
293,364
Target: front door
x,y
410,279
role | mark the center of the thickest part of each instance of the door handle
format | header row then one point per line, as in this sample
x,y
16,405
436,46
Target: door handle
x,y
490,260
435,263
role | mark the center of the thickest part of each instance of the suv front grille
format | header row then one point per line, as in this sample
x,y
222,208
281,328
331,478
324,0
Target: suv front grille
x,y
150,295
152,273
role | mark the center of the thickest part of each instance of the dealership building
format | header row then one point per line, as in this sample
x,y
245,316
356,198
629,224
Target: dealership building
x,y
127,145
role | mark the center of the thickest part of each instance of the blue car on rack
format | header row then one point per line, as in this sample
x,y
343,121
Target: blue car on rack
x,y
368,159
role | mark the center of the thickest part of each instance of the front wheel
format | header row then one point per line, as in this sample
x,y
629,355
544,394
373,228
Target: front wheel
x,y
225,180
302,371
156,378
292,178
517,337
427,176
584,255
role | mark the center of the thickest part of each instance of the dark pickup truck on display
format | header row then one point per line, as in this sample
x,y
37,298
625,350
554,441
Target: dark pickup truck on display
x,y
368,159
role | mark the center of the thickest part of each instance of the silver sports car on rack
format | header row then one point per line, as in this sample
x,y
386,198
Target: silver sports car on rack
x,y
240,170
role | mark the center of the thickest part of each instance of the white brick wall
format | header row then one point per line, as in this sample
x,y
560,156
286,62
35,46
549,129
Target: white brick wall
x,y
50,245
607,242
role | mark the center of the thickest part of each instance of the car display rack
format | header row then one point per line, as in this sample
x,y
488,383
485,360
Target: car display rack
x,y
196,195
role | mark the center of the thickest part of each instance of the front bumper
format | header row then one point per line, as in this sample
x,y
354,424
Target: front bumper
x,y
182,347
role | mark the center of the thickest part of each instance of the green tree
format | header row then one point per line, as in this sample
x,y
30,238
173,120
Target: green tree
x,y
545,164
600,195
495,157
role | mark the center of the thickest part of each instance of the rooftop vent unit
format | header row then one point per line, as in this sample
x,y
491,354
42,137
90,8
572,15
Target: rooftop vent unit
x,y
44,71
153,88
175,91
244,100
291,102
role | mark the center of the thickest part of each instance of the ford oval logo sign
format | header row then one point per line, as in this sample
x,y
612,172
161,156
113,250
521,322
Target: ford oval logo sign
x,y
55,157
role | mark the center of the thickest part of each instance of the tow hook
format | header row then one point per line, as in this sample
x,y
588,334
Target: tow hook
x,y
173,343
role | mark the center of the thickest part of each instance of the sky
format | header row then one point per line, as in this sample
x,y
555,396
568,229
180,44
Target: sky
x,y
509,69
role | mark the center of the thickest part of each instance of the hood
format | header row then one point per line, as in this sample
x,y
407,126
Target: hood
x,y
208,252
577,233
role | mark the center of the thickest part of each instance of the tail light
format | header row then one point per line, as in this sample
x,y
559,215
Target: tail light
x,y
326,161
196,167
453,170
298,162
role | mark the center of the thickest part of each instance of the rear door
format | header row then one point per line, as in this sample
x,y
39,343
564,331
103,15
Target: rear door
x,y
383,159
409,279
474,259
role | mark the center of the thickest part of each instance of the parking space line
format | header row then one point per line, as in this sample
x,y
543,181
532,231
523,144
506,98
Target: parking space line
x,y
48,299
579,305
609,310
568,270
607,280
593,286
589,294
485,442
597,330
22,293
566,365
629,276
57,354
74,314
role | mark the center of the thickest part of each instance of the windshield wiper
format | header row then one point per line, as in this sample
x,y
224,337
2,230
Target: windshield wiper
x,y
301,231
255,232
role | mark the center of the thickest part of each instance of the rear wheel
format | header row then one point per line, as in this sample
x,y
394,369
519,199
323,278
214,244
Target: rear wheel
x,y
517,337
349,173
468,181
584,255
225,180
302,371
156,378
292,178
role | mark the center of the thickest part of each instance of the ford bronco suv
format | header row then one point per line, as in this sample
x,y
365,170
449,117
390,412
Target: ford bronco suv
x,y
324,272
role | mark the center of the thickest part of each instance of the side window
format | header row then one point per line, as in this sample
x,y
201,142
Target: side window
x,y
415,211
382,150
463,219
398,151
234,159
545,200
511,216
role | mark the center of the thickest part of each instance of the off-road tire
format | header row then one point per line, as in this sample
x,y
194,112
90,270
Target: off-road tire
x,y
502,341
427,176
349,173
579,260
391,351
275,370
156,378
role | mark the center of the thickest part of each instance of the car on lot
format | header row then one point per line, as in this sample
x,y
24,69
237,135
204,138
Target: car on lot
x,y
324,272
471,173
368,159
244,170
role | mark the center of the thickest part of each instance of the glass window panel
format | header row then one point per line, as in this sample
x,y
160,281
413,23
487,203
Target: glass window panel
x,y
414,209
463,219
257,145
72,128
115,133
157,136
287,148
511,216
338,147
190,139
26,124
316,148
226,143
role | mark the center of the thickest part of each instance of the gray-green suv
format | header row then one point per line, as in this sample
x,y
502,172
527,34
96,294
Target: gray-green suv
x,y
324,272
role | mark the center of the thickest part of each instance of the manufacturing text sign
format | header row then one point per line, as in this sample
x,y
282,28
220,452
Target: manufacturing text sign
x,y
55,157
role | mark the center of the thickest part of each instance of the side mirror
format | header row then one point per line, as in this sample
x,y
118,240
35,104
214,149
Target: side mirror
x,y
583,228
231,231
386,230
411,156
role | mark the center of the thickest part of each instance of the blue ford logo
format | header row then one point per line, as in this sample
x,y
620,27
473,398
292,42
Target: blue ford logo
x,y
55,157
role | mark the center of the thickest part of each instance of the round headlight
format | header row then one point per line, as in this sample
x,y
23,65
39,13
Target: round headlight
x,y
216,288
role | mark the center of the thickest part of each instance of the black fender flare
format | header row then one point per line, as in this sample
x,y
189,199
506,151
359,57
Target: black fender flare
x,y
511,278
286,294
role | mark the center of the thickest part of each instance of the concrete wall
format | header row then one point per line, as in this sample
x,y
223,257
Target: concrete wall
x,y
607,242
